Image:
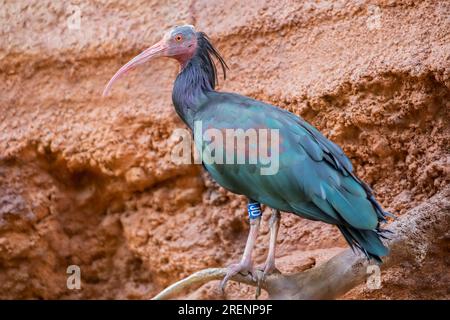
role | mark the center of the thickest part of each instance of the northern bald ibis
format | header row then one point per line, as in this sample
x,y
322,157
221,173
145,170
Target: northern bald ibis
x,y
314,180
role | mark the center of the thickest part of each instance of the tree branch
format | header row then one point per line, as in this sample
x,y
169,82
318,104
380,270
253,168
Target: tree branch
x,y
413,234
200,277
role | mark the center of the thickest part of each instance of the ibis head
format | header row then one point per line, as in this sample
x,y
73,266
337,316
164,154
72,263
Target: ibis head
x,y
179,43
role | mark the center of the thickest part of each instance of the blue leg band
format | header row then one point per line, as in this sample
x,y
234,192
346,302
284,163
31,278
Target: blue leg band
x,y
254,210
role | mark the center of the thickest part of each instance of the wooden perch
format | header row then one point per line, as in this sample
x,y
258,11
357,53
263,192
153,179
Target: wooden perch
x,y
413,234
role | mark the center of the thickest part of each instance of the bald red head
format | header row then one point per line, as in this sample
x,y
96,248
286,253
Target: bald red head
x,y
179,43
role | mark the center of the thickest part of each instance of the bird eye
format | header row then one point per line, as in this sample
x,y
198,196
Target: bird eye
x,y
178,38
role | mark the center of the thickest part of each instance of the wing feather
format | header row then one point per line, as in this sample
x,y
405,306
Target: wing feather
x,y
315,177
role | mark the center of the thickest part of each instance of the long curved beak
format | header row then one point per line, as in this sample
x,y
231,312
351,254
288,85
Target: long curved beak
x,y
157,50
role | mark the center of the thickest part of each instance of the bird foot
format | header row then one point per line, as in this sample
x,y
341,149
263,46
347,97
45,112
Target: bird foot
x,y
267,269
244,268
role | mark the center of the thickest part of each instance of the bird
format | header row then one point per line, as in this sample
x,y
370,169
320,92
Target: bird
x,y
314,179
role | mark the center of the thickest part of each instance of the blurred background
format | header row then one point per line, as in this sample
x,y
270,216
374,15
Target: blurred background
x,y
87,181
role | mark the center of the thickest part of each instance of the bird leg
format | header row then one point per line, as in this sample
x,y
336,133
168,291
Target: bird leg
x,y
245,266
274,225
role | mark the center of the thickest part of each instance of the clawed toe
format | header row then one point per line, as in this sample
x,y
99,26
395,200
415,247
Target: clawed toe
x,y
234,269
267,270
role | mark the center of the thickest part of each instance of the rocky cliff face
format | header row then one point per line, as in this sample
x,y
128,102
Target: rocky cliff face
x,y
88,181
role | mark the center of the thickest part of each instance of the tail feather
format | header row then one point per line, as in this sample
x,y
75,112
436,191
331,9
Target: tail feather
x,y
381,214
367,241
